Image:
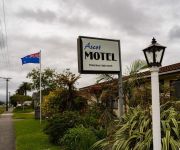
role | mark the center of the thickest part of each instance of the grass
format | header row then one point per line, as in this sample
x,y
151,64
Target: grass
x,y
23,115
2,109
29,134
21,110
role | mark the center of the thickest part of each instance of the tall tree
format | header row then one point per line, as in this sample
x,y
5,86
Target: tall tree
x,y
105,77
1,102
105,94
67,80
19,99
136,66
23,88
48,79
132,84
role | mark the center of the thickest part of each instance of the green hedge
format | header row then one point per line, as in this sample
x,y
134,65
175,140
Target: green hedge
x,y
26,109
78,138
60,123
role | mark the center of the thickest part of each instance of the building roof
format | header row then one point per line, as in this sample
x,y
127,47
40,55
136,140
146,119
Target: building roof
x,y
170,68
174,68
163,70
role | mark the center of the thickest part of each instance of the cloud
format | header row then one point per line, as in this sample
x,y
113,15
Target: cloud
x,y
74,21
174,33
53,27
4,57
72,18
2,39
57,52
122,14
43,16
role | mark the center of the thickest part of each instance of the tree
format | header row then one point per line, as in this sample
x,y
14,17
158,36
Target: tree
x,y
56,102
132,84
15,99
23,88
105,77
48,79
133,90
65,97
52,103
1,102
136,66
107,91
67,80
105,94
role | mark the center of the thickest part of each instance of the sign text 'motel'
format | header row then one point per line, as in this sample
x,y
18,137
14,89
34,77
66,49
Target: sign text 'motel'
x,y
97,55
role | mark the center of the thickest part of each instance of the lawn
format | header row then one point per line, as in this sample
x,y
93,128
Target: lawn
x,y
29,134
2,109
21,110
23,115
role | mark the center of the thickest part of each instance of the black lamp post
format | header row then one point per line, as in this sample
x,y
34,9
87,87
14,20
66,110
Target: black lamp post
x,y
154,55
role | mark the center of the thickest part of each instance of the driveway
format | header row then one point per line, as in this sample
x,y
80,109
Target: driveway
x,y
7,136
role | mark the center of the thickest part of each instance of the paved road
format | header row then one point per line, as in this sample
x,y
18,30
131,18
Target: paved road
x,y
7,137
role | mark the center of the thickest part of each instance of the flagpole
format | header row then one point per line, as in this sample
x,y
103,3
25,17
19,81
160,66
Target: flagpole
x,y
40,94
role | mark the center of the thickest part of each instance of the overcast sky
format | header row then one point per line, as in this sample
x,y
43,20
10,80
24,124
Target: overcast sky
x,y
53,26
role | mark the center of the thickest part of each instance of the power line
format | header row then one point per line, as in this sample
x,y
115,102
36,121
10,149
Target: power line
x,y
5,40
2,42
7,49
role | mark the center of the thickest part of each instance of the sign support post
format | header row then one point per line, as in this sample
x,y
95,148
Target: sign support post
x,y
120,100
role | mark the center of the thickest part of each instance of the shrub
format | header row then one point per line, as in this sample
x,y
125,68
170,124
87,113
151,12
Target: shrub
x,y
91,121
100,134
26,109
135,131
15,99
51,104
80,103
2,103
60,123
78,138
58,101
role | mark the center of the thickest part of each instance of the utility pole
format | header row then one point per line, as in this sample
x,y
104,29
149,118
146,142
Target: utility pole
x,y
9,94
7,79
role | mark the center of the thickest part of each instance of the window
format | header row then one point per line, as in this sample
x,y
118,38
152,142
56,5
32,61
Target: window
x,y
175,86
161,85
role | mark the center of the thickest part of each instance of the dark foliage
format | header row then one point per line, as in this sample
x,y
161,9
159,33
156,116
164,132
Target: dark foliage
x,y
60,123
78,138
1,102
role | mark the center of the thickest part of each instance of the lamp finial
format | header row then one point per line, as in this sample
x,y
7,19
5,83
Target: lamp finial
x,y
153,41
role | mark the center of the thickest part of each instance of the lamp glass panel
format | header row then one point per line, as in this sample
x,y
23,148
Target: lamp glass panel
x,y
149,56
158,55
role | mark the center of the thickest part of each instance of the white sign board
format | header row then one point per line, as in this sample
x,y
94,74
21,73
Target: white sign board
x,y
97,55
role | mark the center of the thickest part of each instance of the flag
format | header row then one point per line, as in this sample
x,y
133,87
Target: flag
x,y
32,58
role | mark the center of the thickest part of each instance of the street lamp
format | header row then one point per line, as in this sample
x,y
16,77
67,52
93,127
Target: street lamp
x,y
154,54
